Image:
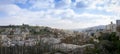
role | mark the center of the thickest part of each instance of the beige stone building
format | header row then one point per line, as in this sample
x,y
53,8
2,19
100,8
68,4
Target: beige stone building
x,y
111,27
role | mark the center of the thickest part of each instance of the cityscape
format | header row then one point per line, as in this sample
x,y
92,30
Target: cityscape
x,y
26,39
59,27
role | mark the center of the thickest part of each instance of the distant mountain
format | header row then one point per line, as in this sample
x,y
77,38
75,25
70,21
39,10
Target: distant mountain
x,y
91,28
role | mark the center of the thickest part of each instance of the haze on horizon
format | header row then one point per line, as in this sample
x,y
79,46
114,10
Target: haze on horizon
x,y
63,14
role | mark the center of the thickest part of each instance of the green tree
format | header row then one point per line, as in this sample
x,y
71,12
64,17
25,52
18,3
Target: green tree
x,y
109,44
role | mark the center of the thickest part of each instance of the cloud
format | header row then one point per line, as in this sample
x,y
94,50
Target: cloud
x,y
57,14
20,1
5,2
73,0
53,18
62,4
107,5
9,9
81,5
42,4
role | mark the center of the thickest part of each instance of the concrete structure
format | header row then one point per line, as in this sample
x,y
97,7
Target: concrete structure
x,y
118,27
111,27
118,22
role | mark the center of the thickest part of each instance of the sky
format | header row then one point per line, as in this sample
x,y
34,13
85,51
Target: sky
x,y
63,14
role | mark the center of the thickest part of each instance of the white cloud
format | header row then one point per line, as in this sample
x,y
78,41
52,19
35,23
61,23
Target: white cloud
x,y
107,5
10,9
42,4
57,18
114,9
46,19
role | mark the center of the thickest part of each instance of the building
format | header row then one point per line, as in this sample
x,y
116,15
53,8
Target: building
x,y
111,27
118,27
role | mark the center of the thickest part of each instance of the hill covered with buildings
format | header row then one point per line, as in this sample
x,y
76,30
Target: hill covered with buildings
x,y
45,37
39,39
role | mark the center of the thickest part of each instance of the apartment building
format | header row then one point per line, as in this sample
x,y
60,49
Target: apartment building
x,y
118,27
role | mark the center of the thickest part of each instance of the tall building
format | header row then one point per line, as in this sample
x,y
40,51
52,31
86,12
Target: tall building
x,y
118,22
118,27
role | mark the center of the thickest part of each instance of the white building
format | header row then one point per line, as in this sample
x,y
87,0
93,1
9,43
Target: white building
x,y
111,27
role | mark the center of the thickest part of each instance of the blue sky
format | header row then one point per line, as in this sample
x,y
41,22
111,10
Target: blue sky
x,y
64,14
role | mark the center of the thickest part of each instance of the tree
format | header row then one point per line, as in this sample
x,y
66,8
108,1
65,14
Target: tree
x,y
109,44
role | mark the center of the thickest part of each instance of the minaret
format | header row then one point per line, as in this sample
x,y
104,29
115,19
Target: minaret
x,y
111,27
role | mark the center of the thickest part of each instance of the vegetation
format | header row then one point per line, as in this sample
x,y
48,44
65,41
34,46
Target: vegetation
x,y
1,30
109,44
41,31
77,40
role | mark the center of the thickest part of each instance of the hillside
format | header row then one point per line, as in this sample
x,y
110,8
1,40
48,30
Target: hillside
x,y
91,28
44,38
